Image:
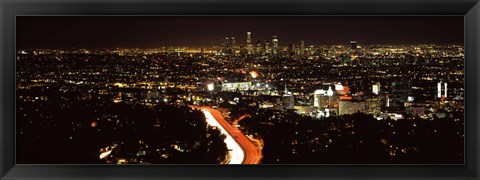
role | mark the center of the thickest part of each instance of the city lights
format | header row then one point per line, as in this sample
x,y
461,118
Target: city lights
x,y
210,86
265,96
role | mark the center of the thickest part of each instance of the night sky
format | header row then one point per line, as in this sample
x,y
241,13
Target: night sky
x,y
205,31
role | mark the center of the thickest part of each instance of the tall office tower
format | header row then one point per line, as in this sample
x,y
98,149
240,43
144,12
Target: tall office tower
x,y
232,42
353,45
258,49
228,44
249,43
266,47
291,49
302,47
320,98
275,45
225,45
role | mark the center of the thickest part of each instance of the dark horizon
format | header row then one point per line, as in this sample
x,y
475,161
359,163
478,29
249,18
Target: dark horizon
x,y
206,31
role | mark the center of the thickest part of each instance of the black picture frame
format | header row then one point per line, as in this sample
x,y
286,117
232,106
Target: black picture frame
x,y
9,9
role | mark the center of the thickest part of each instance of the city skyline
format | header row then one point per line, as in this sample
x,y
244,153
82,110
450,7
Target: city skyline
x,y
245,99
207,31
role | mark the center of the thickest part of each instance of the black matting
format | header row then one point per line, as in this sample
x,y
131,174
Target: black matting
x,y
10,9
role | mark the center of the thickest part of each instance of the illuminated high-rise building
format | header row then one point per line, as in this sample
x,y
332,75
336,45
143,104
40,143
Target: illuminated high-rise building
x,y
249,44
302,47
353,45
351,107
330,96
224,42
266,47
232,44
225,50
316,97
376,88
373,105
228,44
258,48
275,45
387,101
439,90
291,49
445,90
320,98
402,88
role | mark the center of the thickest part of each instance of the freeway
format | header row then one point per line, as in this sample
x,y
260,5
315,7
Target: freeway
x,y
236,153
252,155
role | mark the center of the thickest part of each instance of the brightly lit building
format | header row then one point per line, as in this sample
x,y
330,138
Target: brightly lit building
x,y
249,44
341,89
373,105
376,88
321,99
288,100
327,97
353,45
351,107
439,90
240,86
266,48
275,45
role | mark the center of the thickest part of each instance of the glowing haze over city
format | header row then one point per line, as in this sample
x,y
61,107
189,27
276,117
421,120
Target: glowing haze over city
x,y
240,90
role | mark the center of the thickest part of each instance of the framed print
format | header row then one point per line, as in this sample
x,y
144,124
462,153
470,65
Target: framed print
x,y
239,90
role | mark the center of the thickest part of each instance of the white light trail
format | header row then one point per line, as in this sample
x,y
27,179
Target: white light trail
x,y
105,154
236,154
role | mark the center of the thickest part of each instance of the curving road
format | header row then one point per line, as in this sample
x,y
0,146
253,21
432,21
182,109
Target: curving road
x,y
236,155
252,155
239,119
